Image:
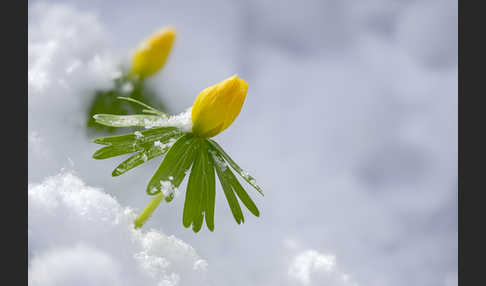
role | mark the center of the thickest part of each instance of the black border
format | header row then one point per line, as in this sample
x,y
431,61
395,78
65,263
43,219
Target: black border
x,y
470,206
14,25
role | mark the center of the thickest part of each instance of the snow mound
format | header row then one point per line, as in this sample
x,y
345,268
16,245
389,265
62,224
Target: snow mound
x,y
69,58
79,235
311,265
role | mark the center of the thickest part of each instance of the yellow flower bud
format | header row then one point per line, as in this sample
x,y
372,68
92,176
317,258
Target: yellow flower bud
x,y
151,55
216,107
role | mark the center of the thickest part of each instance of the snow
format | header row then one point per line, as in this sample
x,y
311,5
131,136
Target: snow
x,y
167,188
165,146
308,267
68,59
308,264
182,121
79,235
127,87
122,121
138,134
218,160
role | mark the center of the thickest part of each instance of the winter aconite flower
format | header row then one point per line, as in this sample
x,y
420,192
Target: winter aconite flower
x,y
217,106
152,54
149,58
184,140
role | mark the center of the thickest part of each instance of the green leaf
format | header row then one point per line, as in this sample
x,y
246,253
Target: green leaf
x,y
242,194
211,191
230,184
200,194
148,135
142,157
133,142
142,104
221,169
197,223
140,120
175,164
235,166
193,193
106,102
151,111
112,151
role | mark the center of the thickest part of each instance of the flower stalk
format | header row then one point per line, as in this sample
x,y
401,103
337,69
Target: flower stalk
x,y
148,210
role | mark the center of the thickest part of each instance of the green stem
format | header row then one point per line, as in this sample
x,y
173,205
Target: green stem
x,y
147,212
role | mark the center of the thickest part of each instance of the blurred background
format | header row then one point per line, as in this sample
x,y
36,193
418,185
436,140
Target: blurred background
x,y
349,126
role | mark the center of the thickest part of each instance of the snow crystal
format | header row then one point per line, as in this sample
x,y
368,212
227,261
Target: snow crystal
x,y
127,88
148,123
167,188
125,121
167,145
138,134
182,121
247,176
153,190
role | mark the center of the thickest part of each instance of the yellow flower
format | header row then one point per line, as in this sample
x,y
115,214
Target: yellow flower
x,y
151,55
216,107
